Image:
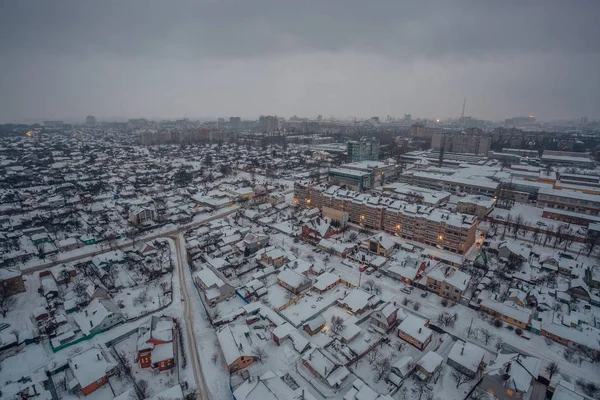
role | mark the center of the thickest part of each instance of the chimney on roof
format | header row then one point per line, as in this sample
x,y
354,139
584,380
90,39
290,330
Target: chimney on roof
x,y
420,329
91,324
86,313
98,356
75,366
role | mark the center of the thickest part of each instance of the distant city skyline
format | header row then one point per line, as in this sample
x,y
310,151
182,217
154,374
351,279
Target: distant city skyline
x,y
66,59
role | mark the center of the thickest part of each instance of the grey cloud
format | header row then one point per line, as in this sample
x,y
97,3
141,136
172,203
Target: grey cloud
x,y
197,58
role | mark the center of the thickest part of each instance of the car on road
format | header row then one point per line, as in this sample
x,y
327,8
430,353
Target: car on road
x,y
362,268
407,289
424,294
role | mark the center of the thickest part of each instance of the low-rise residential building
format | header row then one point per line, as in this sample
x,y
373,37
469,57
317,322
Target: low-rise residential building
x,y
477,205
467,358
511,376
237,349
91,370
415,331
98,316
510,313
214,286
12,281
448,282
385,316
155,346
380,244
428,365
323,366
293,281
138,215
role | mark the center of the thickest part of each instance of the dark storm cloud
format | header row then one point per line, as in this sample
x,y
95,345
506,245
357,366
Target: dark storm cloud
x,y
89,55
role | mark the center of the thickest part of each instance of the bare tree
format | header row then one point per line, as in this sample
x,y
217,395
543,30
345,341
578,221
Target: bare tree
x,y
382,368
7,301
499,344
373,355
517,224
326,260
487,335
419,388
369,284
591,240
459,378
551,369
353,237
337,324
260,354
310,258
416,306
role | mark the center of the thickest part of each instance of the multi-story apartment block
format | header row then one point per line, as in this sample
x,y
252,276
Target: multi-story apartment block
x,y
363,149
434,227
569,200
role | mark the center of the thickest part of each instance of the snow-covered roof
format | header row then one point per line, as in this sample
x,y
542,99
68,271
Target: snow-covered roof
x,y
415,327
233,339
357,299
467,354
430,361
292,278
90,366
324,280
162,352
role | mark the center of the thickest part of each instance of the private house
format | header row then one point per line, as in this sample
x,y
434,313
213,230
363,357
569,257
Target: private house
x,y
252,242
274,257
139,215
467,358
213,285
155,346
268,386
98,316
510,313
358,301
90,370
293,281
403,367
385,317
511,376
338,248
287,331
236,347
144,249
511,249
415,331
380,244
12,281
323,366
326,281
319,228
69,244
428,365
448,282
586,337
315,325
409,270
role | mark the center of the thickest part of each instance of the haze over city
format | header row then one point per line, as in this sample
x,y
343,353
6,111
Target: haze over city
x,y
63,59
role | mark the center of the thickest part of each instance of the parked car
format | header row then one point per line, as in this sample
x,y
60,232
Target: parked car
x,y
370,270
362,268
424,294
377,274
407,289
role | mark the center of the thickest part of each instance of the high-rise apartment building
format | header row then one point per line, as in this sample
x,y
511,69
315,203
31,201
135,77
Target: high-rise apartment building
x,y
234,123
456,143
267,124
90,120
422,131
364,149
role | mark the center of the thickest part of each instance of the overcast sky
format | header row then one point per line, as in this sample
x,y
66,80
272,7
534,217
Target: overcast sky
x,y
67,59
